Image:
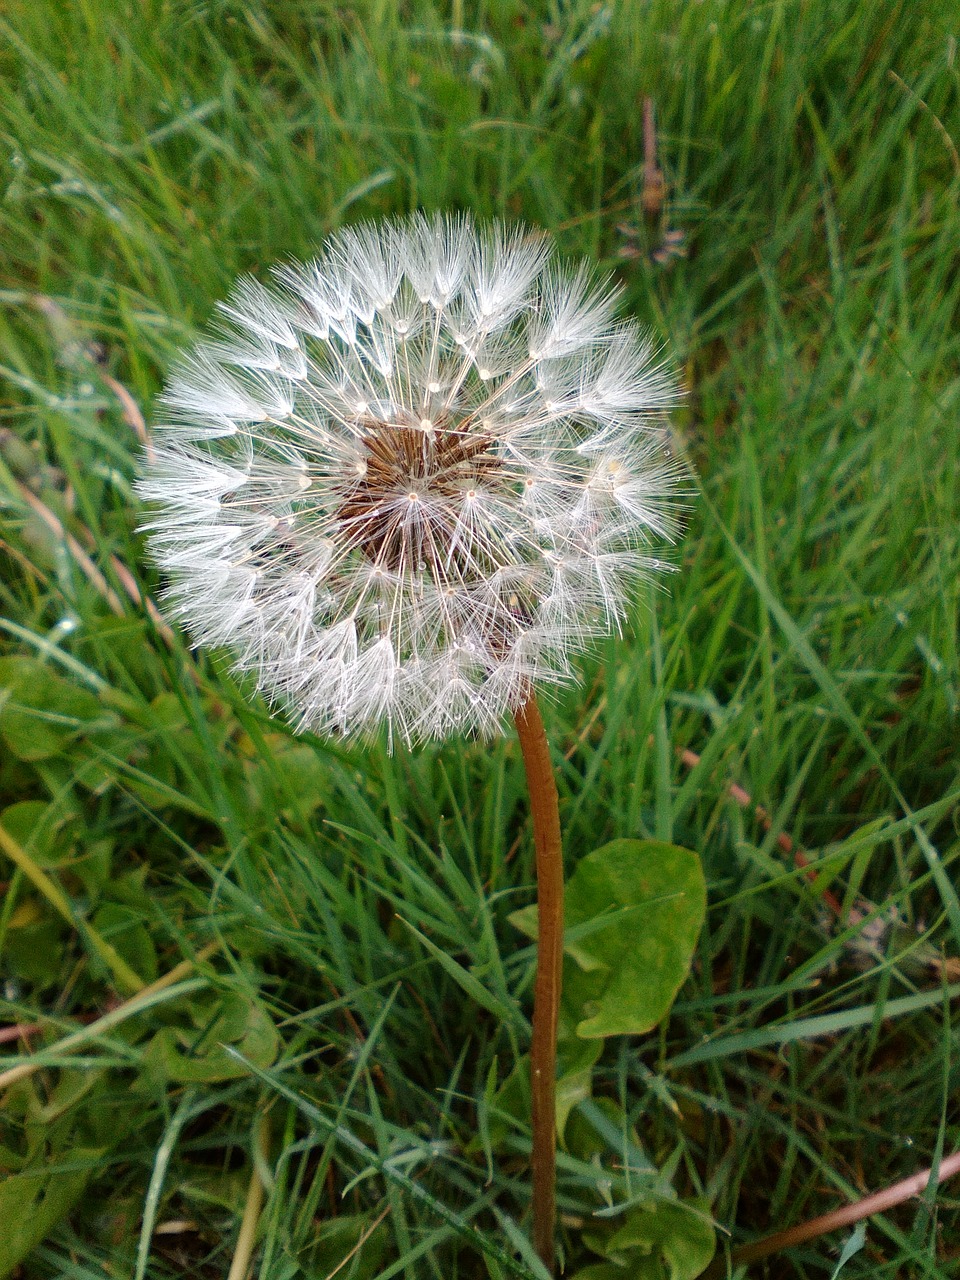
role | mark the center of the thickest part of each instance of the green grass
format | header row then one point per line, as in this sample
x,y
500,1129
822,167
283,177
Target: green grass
x,y
807,649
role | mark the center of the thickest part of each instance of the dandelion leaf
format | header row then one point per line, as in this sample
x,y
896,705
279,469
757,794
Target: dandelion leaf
x,y
34,1201
634,910
658,1240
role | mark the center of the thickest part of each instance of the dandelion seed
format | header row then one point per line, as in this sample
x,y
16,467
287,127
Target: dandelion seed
x,y
411,479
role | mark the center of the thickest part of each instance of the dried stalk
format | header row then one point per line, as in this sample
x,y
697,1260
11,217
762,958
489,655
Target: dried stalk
x,y
846,1216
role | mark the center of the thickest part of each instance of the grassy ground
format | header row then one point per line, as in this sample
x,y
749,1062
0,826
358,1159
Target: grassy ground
x,y
807,651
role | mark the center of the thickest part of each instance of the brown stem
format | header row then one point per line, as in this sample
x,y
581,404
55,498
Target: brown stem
x,y
845,1216
544,807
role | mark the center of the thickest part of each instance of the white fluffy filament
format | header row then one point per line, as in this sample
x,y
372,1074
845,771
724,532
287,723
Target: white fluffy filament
x,y
407,482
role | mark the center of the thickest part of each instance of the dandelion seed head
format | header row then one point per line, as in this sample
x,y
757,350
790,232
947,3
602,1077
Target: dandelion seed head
x,y
412,478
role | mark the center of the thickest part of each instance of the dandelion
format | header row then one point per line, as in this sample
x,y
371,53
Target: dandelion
x,y
413,478
406,485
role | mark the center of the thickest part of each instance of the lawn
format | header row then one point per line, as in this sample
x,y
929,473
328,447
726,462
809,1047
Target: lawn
x,y
328,1076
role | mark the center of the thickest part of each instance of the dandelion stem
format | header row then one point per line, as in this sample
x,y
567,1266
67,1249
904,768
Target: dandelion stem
x,y
544,808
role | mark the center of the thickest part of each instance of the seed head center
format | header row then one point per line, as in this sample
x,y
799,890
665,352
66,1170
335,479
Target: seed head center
x,y
403,510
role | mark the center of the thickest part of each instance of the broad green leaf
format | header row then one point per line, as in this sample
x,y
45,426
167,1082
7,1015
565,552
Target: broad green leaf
x,y
92,863
600,1130
854,1244
197,1053
290,774
664,1240
34,951
37,826
347,1239
34,1201
634,910
123,928
167,712
508,1109
40,712
576,1060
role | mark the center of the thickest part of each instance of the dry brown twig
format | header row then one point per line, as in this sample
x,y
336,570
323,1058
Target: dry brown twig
x,y
784,842
75,349
243,1252
938,124
117,1014
90,570
654,193
845,1216
668,243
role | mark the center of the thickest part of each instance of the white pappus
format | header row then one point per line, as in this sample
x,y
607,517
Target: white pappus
x,y
405,483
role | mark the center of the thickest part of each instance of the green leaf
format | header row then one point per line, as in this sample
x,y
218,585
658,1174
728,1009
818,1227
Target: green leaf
x,y
37,825
40,713
346,1239
507,1108
853,1246
92,863
665,1240
123,928
287,774
600,1129
34,1201
576,1060
34,952
197,1053
634,910
511,1101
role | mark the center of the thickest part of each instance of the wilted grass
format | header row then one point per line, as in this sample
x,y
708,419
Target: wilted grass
x,y
806,650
